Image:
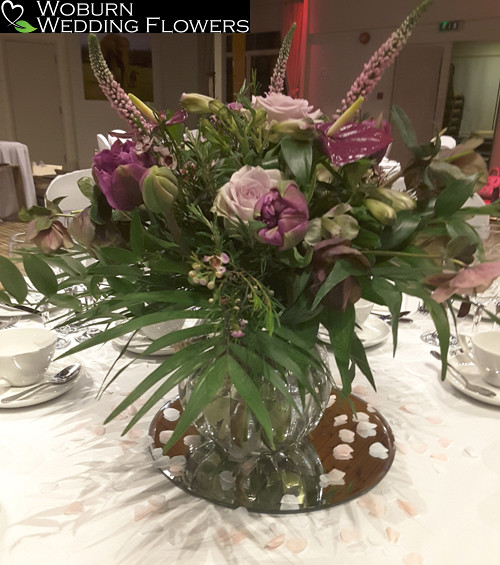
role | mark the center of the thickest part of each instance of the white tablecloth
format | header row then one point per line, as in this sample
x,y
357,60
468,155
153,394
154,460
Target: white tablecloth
x,y
75,492
16,153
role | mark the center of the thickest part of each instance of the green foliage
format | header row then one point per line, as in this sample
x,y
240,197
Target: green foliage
x,y
184,255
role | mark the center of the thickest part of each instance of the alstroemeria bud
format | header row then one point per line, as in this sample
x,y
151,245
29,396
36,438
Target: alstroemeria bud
x,y
399,200
380,210
260,117
143,108
159,189
200,104
301,129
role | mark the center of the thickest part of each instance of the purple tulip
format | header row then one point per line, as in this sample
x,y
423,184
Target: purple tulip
x,y
285,213
118,172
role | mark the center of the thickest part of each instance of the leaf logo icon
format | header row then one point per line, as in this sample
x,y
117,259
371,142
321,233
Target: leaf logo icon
x,y
12,13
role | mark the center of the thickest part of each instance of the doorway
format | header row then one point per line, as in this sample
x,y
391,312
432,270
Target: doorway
x,y
476,81
417,76
35,99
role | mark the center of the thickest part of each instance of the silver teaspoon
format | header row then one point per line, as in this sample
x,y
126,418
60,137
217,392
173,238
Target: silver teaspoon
x,y
62,377
461,377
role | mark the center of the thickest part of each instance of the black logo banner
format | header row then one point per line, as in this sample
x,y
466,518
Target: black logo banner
x,y
60,16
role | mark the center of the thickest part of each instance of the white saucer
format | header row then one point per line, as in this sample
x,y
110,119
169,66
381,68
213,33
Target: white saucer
x,y
139,343
373,332
408,303
47,393
471,372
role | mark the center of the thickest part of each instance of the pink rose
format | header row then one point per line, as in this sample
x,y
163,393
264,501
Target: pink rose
x,y
285,213
281,108
237,198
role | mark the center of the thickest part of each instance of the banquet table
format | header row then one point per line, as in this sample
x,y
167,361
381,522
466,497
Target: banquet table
x,y
75,491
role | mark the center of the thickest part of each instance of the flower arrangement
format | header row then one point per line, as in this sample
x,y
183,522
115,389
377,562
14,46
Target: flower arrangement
x,y
266,222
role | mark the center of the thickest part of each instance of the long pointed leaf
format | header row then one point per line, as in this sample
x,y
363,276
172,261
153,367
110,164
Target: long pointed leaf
x,y
340,326
204,391
189,358
181,374
250,394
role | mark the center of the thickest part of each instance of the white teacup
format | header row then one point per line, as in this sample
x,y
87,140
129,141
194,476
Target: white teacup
x,y
25,354
486,353
362,309
155,331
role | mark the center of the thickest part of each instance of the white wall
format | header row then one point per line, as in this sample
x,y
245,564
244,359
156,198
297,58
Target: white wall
x,y
176,63
336,56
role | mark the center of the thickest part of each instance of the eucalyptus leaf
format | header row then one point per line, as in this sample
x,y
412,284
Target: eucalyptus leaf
x,y
136,234
12,280
118,255
87,187
407,223
66,301
43,223
298,156
454,196
40,274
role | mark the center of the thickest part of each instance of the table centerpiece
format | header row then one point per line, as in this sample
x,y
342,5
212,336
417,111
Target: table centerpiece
x,y
262,225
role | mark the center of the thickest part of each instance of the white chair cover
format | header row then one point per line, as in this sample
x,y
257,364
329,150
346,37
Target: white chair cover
x,y
102,142
67,185
16,153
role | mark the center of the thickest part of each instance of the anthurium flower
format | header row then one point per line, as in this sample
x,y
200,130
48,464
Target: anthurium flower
x,y
469,280
284,211
354,141
118,172
385,127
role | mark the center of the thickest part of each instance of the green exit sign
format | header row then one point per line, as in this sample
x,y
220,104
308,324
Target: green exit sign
x,y
448,25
